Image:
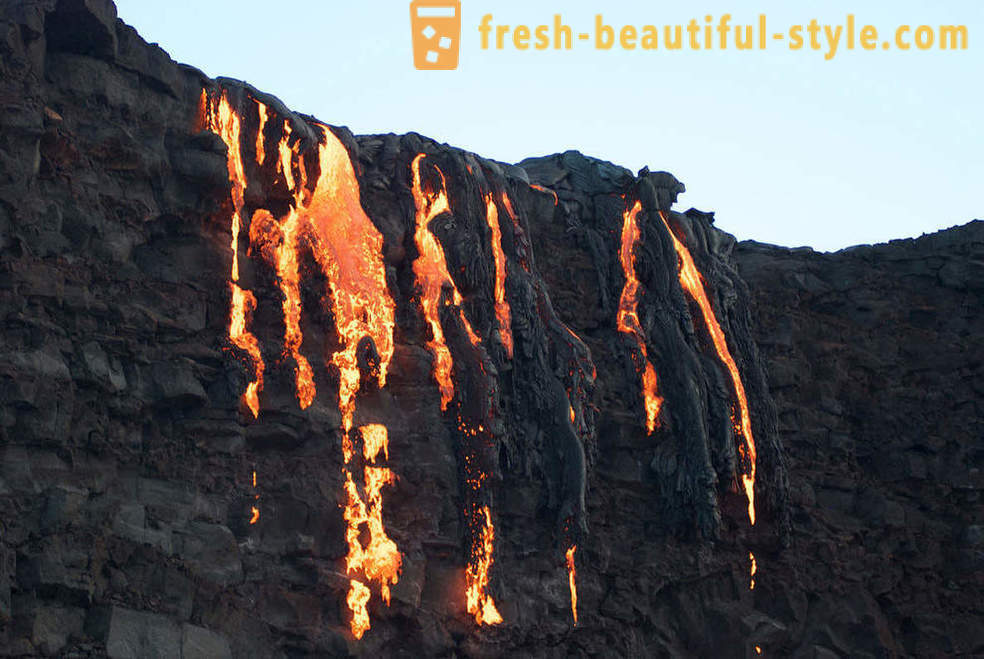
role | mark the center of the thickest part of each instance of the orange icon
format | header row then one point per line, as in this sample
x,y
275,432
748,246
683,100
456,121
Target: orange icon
x,y
436,26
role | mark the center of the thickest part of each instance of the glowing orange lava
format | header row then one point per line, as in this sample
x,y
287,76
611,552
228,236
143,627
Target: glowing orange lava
x,y
548,191
243,303
480,603
254,511
572,581
349,248
751,557
224,122
628,315
502,311
357,599
692,282
431,271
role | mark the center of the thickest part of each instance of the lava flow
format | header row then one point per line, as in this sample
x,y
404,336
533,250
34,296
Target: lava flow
x,y
431,270
754,568
502,311
480,603
628,315
224,122
254,511
572,581
349,249
692,282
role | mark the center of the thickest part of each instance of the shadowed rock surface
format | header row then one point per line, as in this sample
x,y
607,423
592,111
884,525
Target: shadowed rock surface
x,y
126,455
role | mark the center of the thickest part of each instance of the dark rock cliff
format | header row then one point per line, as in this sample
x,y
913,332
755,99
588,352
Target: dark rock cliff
x,y
126,454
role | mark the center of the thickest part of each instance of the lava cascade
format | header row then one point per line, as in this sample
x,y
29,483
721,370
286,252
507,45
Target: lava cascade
x,y
502,311
572,581
480,603
692,282
628,316
347,247
431,271
224,122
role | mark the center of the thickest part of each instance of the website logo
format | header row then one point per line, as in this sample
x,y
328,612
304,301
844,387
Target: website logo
x,y
436,27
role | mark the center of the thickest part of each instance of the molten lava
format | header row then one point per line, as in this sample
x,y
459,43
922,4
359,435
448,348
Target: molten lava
x,y
349,249
224,122
692,282
431,271
502,311
260,146
754,568
548,191
254,511
628,315
480,603
357,599
242,304
572,581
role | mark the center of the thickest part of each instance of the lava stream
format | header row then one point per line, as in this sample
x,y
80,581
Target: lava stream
x,y
357,599
431,271
502,311
572,581
480,603
628,315
692,282
754,568
224,122
260,147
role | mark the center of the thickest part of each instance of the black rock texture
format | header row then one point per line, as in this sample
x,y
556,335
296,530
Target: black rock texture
x,y
126,454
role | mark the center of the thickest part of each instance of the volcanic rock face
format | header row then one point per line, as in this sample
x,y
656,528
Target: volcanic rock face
x,y
494,327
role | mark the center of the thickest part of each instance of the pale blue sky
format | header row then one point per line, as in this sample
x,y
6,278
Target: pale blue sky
x,y
786,147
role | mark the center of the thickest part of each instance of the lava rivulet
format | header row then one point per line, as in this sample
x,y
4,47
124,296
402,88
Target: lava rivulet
x,y
431,271
223,121
628,315
502,311
692,282
349,249
480,603
752,571
572,581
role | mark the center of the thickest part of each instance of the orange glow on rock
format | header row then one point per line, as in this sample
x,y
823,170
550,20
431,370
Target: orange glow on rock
x,y
502,311
480,603
224,122
431,271
754,568
692,282
572,581
357,599
628,316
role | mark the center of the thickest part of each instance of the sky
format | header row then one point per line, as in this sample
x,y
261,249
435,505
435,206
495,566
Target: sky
x,y
784,146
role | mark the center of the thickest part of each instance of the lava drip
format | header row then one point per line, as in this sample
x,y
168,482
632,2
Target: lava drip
x,y
480,603
628,316
287,263
752,570
379,560
502,311
254,510
431,271
348,248
692,282
572,581
222,120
